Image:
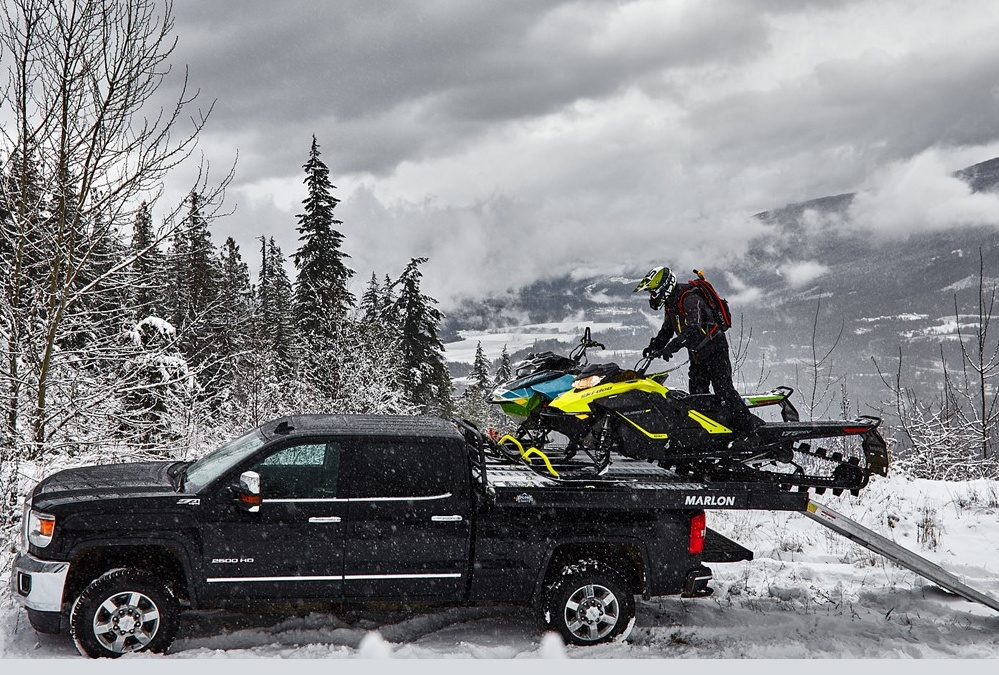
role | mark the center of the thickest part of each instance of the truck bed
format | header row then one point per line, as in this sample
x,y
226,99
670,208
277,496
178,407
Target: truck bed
x,y
630,484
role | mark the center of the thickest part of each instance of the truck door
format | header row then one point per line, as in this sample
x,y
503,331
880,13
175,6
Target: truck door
x,y
293,546
408,532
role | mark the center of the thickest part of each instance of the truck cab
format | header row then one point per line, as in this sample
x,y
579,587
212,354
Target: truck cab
x,y
313,507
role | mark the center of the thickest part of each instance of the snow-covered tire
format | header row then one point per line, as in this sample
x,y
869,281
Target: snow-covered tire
x,y
121,612
589,603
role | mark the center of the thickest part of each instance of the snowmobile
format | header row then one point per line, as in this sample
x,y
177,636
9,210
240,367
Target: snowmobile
x,y
611,410
537,380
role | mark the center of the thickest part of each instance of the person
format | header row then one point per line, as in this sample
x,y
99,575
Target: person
x,y
689,323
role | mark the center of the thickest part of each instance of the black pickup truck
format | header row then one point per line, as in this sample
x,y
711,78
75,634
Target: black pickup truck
x,y
348,510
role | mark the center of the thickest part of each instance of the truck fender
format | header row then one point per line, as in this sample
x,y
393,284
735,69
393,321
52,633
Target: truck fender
x,y
177,549
604,548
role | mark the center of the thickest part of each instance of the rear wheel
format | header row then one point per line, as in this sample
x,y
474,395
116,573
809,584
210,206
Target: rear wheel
x,y
588,604
124,611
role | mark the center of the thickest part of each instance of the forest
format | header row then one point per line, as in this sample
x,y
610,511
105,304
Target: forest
x,y
126,333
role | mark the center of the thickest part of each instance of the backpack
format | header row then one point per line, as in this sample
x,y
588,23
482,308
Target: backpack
x,y
717,304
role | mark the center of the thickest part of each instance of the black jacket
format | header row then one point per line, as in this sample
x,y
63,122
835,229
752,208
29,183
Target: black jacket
x,y
689,322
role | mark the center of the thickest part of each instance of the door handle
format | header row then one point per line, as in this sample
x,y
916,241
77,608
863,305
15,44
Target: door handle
x,y
446,519
324,519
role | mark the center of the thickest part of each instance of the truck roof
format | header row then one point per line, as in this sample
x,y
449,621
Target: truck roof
x,y
424,426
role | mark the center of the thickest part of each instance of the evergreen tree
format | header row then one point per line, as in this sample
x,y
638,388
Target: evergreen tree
x,y
192,298
147,287
234,321
154,388
389,318
473,405
480,370
371,305
503,371
177,294
322,301
423,371
269,386
274,317
374,324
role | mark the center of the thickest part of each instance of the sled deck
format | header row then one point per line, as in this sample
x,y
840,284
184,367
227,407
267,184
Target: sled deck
x,y
630,484
870,539
783,454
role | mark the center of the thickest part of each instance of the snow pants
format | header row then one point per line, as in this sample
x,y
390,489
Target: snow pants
x,y
711,368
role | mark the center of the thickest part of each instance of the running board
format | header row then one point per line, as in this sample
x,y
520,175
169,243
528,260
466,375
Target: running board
x,y
870,539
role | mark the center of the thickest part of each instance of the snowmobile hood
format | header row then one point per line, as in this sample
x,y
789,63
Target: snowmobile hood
x,y
103,482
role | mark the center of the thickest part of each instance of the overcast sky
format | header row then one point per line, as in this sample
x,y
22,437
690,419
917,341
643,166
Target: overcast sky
x,y
513,139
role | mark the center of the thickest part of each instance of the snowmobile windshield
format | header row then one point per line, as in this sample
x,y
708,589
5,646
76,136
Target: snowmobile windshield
x,y
216,463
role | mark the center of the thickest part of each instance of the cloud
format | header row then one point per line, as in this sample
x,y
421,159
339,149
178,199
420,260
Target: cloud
x,y
919,195
744,293
511,141
802,273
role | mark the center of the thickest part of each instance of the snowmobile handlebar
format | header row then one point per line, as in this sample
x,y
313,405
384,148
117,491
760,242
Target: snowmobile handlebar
x,y
643,364
585,343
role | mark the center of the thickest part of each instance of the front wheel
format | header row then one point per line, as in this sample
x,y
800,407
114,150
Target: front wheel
x,y
589,603
121,612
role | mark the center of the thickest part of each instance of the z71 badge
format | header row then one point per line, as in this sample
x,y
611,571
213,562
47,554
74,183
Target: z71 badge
x,y
189,501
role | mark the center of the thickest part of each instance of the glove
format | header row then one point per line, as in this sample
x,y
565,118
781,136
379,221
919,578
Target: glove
x,y
650,352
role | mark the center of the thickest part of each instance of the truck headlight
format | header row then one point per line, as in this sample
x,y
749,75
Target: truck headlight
x,y
40,528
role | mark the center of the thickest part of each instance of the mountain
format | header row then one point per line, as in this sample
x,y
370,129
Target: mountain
x,y
864,297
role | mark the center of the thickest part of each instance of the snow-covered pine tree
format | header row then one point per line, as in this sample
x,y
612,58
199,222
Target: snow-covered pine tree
x,y
148,269
371,305
156,389
374,323
271,377
322,300
472,404
275,320
503,371
193,297
233,325
480,369
423,370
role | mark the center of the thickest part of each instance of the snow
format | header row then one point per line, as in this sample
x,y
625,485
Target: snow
x,y
808,594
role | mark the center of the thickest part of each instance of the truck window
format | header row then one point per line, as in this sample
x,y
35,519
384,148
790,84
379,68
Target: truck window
x,y
395,468
301,471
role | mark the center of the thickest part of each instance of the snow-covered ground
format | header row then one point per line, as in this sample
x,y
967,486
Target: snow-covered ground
x,y
809,594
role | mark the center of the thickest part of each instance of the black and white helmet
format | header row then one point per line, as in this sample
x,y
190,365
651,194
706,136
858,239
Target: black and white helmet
x,y
660,282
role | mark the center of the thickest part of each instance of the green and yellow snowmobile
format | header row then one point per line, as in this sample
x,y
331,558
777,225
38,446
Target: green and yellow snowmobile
x,y
615,411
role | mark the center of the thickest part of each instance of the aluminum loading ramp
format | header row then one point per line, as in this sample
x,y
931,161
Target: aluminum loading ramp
x,y
856,532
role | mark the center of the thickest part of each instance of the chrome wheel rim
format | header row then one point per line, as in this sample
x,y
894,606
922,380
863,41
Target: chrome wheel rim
x,y
592,612
126,622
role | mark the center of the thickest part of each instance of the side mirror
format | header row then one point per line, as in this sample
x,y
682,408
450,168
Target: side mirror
x,y
247,491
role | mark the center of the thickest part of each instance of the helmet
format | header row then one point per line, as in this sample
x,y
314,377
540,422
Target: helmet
x,y
660,282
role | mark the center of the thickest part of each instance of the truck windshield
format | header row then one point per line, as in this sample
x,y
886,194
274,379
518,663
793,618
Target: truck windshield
x,y
216,463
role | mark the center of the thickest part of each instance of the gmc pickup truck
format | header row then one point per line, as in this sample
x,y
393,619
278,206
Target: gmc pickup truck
x,y
348,510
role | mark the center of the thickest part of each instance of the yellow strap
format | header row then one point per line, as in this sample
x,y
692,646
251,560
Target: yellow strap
x,y
526,454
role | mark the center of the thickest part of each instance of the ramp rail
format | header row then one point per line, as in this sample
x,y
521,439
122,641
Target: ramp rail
x,y
870,539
